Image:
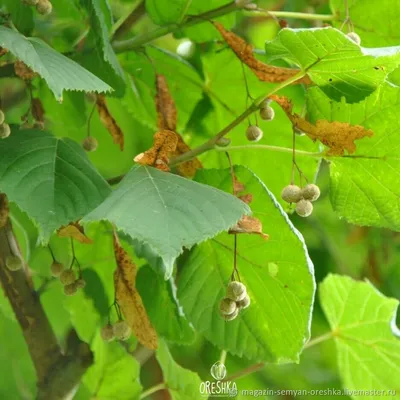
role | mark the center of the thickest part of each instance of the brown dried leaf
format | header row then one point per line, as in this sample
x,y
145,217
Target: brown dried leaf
x,y
246,198
164,145
23,71
249,225
75,231
3,51
109,122
37,110
4,210
129,299
165,105
264,72
338,136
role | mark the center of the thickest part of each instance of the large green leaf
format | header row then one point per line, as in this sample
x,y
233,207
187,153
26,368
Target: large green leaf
x,y
58,71
367,339
364,185
334,62
184,83
114,374
227,91
168,212
21,16
182,383
162,12
163,309
278,275
374,20
49,178
102,60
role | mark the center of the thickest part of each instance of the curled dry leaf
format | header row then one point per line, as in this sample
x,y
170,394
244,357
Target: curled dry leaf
x,y
246,198
250,225
129,300
3,51
75,231
109,122
164,146
4,210
338,136
37,110
165,105
167,120
23,71
264,72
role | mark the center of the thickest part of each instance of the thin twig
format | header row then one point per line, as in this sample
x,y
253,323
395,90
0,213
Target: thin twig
x,y
153,389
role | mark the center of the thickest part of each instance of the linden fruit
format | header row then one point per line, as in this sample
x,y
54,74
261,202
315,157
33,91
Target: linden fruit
x,y
291,194
354,37
90,144
122,330
304,208
70,289
236,291
310,192
4,131
14,263
2,117
44,7
67,277
242,304
107,333
80,283
227,306
223,142
232,316
254,133
56,269
267,113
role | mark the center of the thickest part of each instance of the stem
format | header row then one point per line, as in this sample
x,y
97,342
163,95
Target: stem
x,y
210,144
299,15
138,41
153,389
125,24
268,147
222,358
318,339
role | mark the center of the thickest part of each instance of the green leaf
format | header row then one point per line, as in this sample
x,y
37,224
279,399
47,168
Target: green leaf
x,y
375,21
364,185
168,212
102,61
228,95
21,15
164,311
115,373
206,32
163,13
334,62
50,179
184,83
58,71
278,275
367,339
182,383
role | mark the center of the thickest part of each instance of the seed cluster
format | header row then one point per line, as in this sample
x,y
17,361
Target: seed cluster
x,y
267,113
120,331
90,143
4,127
43,7
67,278
302,197
235,300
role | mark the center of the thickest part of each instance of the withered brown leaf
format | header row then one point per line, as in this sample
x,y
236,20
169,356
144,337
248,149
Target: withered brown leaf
x,y
250,225
129,299
165,105
164,145
23,71
75,231
109,122
264,72
37,110
4,209
338,136
167,120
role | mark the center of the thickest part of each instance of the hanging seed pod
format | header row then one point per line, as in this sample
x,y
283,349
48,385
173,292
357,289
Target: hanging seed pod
x,y
44,7
267,113
236,291
56,269
242,304
67,277
232,316
122,330
71,289
227,306
310,192
291,194
2,117
304,208
107,333
4,131
90,143
80,283
254,133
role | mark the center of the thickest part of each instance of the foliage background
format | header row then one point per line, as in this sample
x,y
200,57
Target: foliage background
x,y
209,92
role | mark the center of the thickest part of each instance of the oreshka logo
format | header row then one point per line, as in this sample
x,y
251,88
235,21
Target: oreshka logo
x,y
219,387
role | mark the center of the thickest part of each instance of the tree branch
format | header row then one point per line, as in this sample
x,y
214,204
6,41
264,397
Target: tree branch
x,y
135,15
57,374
